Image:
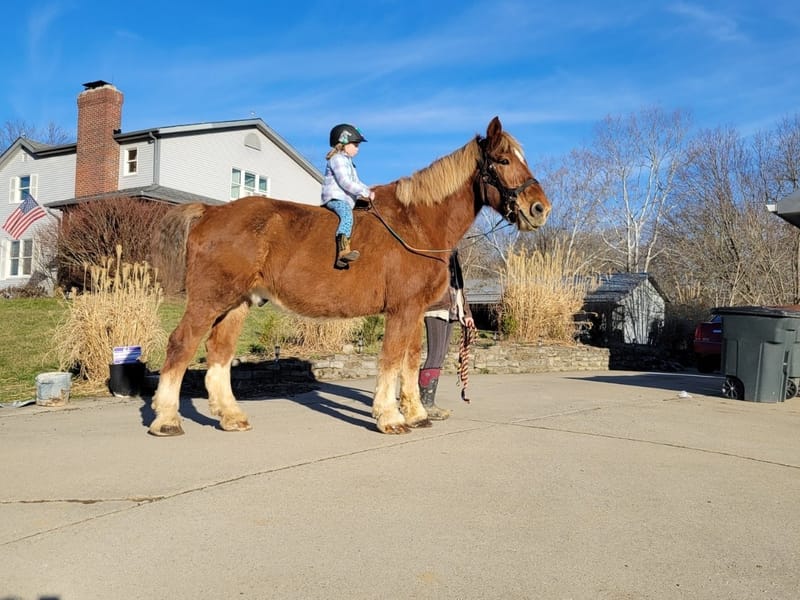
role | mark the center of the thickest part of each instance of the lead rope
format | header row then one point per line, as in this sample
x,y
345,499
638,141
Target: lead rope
x,y
467,338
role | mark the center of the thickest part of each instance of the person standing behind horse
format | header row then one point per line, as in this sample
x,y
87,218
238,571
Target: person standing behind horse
x,y
341,187
439,319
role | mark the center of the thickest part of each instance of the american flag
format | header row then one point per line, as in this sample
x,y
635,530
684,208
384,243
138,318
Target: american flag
x,y
22,217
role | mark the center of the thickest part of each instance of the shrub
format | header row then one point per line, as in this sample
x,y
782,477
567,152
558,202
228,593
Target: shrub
x,y
371,330
29,290
118,308
91,231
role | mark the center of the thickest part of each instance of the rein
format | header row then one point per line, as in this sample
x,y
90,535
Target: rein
x,y
421,251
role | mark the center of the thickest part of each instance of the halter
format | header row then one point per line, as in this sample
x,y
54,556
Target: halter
x,y
488,176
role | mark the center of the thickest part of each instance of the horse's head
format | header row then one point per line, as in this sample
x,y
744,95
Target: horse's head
x,y
507,184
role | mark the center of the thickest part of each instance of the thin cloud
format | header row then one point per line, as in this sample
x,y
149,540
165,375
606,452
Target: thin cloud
x,y
718,25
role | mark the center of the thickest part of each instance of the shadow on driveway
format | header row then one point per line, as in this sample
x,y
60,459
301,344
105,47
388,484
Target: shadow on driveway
x,y
692,383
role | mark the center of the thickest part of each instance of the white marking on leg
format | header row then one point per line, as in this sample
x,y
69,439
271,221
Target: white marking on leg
x,y
221,400
165,400
218,385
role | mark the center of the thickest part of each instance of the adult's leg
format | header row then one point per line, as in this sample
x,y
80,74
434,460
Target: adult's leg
x,y
437,333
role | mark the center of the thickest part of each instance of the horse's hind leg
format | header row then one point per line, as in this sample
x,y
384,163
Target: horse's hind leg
x,y
221,346
183,343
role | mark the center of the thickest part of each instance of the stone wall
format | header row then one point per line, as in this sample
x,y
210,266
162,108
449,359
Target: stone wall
x,y
497,358
254,378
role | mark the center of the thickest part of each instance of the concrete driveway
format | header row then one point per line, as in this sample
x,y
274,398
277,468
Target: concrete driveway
x,y
606,485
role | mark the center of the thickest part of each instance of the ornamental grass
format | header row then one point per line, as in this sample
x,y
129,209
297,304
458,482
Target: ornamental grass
x,y
119,307
541,297
305,336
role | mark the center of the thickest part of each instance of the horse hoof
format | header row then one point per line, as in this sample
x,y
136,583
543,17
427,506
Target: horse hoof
x,y
424,423
166,430
396,429
235,425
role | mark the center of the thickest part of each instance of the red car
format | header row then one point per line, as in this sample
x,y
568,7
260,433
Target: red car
x,y
708,344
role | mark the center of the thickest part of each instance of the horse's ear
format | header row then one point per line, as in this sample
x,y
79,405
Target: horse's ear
x,y
494,129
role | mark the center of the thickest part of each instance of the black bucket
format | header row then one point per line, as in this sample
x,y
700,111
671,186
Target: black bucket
x,y
126,379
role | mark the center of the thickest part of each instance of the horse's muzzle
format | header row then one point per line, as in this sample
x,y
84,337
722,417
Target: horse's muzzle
x,y
532,218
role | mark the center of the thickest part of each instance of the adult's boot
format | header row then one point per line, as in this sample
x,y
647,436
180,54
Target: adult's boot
x,y
427,395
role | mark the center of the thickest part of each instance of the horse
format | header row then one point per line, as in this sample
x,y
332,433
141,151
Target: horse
x,y
257,249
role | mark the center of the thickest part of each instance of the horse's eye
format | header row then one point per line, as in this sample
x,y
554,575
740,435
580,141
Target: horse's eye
x,y
503,161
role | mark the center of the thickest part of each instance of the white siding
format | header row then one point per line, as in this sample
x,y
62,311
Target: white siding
x,y
56,178
56,181
644,312
144,175
202,163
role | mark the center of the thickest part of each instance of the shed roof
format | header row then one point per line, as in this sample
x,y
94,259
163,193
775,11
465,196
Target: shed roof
x,y
613,287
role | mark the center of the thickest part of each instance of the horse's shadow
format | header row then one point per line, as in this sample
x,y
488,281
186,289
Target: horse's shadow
x,y
305,390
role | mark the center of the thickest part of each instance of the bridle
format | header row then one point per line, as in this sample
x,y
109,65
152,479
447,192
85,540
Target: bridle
x,y
488,176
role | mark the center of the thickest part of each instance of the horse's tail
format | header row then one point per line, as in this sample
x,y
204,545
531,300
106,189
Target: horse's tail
x,y
169,245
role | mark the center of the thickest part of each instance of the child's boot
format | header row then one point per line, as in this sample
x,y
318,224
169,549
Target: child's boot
x,y
344,254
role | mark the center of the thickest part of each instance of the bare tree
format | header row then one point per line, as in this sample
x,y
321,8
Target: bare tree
x,y
723,247
51,134
576,187
639,156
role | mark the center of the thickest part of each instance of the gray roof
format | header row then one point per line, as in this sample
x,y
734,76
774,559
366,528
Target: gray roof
x,y
157,193
613,287
482,291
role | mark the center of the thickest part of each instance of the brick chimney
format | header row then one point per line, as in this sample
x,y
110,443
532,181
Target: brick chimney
x,y
99,117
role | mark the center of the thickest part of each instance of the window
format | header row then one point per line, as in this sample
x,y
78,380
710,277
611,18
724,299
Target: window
x,y
247,183
21,258
131,161
19,186
236,183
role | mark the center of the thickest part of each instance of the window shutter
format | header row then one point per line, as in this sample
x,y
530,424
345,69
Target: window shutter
x,y
35,187
13,186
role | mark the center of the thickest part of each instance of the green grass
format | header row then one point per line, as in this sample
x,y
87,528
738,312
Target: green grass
x,y
27,333
25,342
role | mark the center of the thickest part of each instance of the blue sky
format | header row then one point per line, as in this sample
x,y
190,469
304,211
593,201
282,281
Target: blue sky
x,y
420,78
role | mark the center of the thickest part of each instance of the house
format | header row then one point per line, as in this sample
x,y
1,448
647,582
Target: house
x,y
210,162
625,307
788,208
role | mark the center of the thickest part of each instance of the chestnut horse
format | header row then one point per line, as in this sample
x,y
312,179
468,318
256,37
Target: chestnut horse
x,y
257,248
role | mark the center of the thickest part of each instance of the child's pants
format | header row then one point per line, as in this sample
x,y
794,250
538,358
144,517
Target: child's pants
x,y
345,214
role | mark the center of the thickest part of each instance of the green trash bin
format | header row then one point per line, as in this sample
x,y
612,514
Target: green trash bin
x,y
760,352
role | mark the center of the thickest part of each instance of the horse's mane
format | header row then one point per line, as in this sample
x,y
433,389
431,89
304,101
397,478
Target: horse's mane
x,y
444,176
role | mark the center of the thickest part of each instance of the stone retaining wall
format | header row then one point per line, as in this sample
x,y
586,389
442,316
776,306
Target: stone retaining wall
x,y
498,358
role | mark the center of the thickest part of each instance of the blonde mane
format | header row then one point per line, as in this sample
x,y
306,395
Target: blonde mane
x,y
441,178
446,175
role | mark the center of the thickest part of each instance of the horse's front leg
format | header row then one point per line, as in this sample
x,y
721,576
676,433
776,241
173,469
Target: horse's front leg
x,y
410,404
398,330
221,346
